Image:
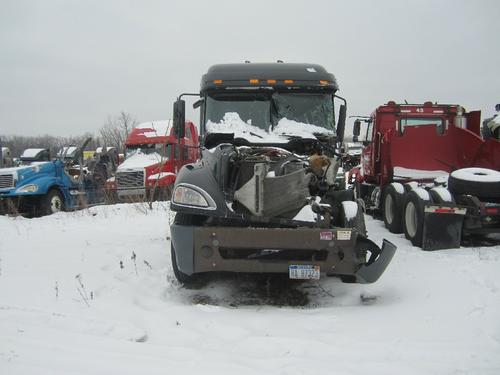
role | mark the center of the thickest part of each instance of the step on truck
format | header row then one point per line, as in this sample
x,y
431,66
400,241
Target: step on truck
x,y
261,198
426,170
153,156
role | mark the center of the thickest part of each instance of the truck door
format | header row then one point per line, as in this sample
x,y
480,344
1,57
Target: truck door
x,y
368,155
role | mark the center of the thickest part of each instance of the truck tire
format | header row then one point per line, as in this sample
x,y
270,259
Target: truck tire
x,y
413,217
392,208
52,202
480,182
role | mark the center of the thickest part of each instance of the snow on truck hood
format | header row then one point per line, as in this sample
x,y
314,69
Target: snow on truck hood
x,y
140,160
233,124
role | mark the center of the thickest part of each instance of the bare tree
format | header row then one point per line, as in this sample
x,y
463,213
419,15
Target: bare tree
x,y
116,129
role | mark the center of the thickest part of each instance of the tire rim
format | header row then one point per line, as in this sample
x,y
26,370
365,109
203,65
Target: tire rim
x,y
389,209
411,219
55,204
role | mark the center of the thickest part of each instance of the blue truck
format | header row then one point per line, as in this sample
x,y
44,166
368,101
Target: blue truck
x,y
45,187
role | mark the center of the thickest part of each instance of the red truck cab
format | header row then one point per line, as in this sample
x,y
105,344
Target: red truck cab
x,y
411,141
428,172
153,155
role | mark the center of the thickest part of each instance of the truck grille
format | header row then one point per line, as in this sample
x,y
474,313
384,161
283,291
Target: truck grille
x,y
126,180
6,181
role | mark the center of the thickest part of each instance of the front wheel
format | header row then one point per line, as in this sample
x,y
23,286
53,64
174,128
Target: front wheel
x,y
52,202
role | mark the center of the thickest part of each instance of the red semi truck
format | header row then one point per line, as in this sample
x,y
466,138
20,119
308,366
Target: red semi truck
x,y
428,172
153,156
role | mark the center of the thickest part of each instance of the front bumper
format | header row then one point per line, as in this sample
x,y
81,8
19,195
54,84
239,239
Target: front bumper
x,y
273,250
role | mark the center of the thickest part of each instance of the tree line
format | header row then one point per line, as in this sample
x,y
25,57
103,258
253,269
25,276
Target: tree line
x,y
113,133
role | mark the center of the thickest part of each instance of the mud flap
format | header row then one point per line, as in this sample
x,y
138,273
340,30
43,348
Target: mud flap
x,y
442,227
371,271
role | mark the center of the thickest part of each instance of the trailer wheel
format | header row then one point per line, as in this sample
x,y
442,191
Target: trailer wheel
x,y
480,182
392,209
52,202
413,217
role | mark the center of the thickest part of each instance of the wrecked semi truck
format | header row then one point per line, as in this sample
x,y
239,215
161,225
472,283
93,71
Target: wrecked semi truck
x,y
152,158
428,172
261,198
41,186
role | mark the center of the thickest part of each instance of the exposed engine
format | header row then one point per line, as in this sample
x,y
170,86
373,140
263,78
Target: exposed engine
x,y
272,182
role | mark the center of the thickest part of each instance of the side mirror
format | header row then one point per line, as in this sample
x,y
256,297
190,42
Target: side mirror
x,y
198,103
179,119
357,128
341,123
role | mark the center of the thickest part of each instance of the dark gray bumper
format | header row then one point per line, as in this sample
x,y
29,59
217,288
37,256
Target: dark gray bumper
x,y
215,249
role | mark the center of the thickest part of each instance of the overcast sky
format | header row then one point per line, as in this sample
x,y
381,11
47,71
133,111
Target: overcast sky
x,y
65,66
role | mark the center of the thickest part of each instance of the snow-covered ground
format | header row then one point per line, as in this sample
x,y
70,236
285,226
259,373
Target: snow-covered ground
x,y
92,292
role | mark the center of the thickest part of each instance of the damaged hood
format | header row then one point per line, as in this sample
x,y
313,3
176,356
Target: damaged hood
x,y
280,134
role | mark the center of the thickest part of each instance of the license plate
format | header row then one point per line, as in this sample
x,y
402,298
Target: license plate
x,y
303,272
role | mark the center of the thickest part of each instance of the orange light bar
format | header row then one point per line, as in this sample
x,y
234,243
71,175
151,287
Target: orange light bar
x,y
271,81
217,81
254,81
323,83
288,81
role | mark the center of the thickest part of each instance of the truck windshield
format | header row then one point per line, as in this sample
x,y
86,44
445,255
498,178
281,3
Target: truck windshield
x,y
265,110
419,121
153,148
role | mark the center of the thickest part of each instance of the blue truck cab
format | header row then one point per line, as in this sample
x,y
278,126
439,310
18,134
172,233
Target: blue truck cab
x,y
44,187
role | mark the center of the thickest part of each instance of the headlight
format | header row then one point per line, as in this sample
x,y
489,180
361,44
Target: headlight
x,y
192,196
32,188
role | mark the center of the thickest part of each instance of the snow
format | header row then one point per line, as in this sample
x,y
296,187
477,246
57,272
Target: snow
x,y
232,123
158,176
67,151
159,128
422,193
443,193
306,214
402,173
398,187
476,174
350,209
31,152
430,313
139,160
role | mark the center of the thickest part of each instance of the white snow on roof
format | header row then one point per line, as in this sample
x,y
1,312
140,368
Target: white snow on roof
x,y
98,150
404,173
31,152
232,123
160,128
140,160
67,151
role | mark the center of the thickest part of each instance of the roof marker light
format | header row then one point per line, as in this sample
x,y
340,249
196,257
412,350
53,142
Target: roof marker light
x,y
323,83
254,81
271,81
288,81
217,81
